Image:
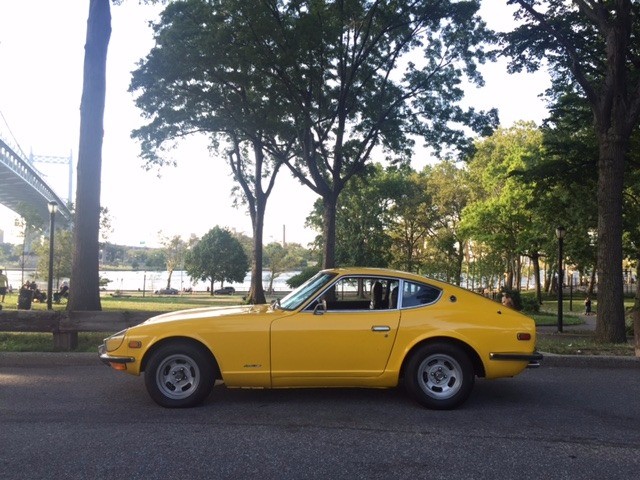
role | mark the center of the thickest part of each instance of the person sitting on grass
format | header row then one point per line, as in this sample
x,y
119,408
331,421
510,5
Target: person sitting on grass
x,y
62,293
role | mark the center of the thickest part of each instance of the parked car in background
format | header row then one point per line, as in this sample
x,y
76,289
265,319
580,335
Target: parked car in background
x,y
167,291
225,291
355,327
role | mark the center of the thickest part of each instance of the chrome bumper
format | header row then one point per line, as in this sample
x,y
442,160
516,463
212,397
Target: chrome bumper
x,y
108,359
534,358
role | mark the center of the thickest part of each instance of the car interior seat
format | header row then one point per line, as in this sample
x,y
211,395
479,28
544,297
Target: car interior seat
x,y
376,295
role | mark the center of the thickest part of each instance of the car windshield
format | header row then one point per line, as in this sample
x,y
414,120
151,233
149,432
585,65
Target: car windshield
x,y
301,294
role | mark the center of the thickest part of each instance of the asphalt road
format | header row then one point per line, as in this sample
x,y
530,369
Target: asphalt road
x,y
70,417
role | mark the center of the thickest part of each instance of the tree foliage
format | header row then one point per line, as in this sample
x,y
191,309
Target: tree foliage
x,y
62,256
592,49
334,77
201,78
174,249
363,217
217,257
448,190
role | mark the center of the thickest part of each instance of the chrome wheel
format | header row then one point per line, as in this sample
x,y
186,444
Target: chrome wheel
x,y
439,375
178,376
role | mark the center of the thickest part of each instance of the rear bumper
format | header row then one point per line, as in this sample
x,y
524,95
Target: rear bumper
x,y
533,359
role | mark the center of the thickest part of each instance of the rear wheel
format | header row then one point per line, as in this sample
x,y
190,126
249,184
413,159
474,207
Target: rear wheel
x,y
179,375
440,376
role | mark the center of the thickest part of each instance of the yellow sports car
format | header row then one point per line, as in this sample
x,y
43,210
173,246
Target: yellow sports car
x,y
356,327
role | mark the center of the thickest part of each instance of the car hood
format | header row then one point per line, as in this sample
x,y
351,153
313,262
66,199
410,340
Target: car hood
x,y
208,312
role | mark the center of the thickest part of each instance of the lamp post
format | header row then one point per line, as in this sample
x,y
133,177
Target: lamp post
x,y
560,233
53,207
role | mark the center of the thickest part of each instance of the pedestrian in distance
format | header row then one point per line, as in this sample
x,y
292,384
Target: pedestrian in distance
x,y
507,301
587,306
4,283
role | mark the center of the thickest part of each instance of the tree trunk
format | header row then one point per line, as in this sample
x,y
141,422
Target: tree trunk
x,y
329,230
592,282
535,259
256,292
256,198
610,318
459,263
85,293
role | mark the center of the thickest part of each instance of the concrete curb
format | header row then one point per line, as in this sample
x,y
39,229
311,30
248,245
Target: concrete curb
x,y
589,361
48,359
73,359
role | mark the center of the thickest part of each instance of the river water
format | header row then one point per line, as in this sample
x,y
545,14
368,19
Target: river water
x,y
152,281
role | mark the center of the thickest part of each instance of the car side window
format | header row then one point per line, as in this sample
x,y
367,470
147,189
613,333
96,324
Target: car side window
x,y
358,293
416,294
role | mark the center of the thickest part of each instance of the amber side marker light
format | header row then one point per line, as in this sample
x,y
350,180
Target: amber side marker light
x,y
118,366
524,336
135,344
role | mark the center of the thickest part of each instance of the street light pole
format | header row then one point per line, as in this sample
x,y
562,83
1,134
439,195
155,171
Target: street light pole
x,y
53,207
560,233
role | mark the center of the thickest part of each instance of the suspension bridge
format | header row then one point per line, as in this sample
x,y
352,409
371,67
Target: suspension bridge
x,y
23,185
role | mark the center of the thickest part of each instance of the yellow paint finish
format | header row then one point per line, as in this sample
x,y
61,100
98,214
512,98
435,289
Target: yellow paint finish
x,y
331,344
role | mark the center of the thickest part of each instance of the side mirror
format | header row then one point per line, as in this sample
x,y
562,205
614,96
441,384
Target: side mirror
x,y
320,308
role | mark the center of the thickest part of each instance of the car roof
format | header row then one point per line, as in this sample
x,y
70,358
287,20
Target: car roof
x,y
381,272
388,272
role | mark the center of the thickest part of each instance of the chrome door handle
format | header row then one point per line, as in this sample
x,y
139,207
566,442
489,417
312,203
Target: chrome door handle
x,y
380,328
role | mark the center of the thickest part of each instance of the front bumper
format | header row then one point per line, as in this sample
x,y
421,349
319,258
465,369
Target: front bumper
x,y
533,359
109,360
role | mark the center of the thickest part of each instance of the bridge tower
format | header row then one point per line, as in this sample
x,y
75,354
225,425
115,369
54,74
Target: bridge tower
x,y
50,159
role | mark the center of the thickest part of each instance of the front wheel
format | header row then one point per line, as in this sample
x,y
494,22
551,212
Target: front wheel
x,y
179,375
440,376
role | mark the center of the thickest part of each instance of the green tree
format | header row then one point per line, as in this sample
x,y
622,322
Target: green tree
x,y
217,257
174,249
201,78
85,294
500,213
62,255
30,224
565,186
362,218
351,87
448,192
155,260
332,76
410,218
592,47
278,260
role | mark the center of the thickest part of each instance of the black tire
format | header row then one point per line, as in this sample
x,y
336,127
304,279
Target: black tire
x,y
179,375
439,376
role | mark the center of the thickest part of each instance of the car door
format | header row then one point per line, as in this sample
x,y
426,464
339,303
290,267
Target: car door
x,y
335,341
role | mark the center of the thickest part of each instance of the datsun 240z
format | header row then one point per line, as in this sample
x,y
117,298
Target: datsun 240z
x,y
356,327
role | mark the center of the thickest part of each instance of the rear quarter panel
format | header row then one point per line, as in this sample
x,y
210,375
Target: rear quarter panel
x,y
484,325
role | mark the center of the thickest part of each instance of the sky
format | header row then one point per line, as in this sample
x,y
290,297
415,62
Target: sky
x,y
41,59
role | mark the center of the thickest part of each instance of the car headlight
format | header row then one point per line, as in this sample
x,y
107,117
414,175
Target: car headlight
x,y
114,341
